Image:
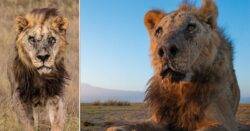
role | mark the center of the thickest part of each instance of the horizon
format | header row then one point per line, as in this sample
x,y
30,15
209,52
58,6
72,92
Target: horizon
x,y
96,91
115,43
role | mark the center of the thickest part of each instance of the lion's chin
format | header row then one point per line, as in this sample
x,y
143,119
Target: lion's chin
x,y
44,70
175,76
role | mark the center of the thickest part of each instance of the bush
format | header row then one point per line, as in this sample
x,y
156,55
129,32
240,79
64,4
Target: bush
x,y
111,103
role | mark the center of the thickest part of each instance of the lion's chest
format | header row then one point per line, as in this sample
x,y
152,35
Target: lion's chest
x,y
180,114
37,91
184,109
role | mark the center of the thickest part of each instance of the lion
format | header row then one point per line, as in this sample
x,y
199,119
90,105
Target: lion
x,y
194,86
37,73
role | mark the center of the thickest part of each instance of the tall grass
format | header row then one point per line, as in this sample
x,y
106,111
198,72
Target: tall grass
x,y
9,10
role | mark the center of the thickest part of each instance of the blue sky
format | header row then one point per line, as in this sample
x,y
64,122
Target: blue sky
x,y
115,44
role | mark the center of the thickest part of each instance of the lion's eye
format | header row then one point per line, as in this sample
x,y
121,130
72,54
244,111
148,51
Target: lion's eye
x,y
32,40
191,27
158,31
51,40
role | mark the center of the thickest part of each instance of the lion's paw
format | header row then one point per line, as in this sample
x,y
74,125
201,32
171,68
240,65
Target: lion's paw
x,y
117,128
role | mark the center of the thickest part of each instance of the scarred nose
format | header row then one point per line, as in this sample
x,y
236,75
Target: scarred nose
x,y
43,56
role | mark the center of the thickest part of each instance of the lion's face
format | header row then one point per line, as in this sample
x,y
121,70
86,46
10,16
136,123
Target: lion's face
x,y
182,41
41,45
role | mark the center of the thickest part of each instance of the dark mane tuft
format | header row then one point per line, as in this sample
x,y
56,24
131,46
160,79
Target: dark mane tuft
x,y
46,12
42,14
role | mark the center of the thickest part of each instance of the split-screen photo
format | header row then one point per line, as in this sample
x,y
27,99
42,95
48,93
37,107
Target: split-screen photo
x,y
124,65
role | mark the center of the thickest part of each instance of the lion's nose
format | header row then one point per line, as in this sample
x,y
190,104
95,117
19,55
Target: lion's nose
x,y
169,51
173,50
43,58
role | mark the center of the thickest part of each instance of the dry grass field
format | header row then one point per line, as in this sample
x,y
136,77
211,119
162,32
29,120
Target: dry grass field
x,y
9,10
95,118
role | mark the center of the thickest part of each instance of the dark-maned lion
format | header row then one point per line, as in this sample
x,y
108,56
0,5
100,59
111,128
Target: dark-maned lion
x,y
194,86
37,74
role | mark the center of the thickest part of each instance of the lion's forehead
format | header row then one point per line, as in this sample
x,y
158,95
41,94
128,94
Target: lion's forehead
x,y
40,31
175,20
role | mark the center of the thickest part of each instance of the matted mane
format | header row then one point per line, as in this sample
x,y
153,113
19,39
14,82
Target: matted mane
x,y
36,89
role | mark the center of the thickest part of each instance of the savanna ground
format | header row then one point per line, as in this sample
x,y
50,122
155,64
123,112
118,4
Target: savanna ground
x,y
95,118
9,10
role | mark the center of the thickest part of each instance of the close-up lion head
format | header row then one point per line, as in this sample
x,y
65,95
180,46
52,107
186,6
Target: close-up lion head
x,y
183,41
41,39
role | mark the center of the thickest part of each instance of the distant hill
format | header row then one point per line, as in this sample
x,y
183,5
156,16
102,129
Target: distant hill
x,y
245,100
91,93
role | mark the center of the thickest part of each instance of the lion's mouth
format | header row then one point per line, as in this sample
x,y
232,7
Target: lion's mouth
x,y
168,72
44,69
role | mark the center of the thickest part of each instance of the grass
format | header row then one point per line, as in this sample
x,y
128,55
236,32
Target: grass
x,y
243,114
12,8
99,117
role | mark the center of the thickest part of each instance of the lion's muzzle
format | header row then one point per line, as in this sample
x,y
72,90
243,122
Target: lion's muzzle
x,y
168,72
167,51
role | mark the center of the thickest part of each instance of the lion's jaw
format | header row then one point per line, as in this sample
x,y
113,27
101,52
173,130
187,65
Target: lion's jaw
x,y
46,67
170,73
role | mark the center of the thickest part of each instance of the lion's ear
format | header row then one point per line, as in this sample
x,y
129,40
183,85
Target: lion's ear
x,y
21,24
60,24
209,12
152,18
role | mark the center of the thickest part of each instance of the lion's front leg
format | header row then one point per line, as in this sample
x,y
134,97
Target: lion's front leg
x,y
218,119
218,128
24,112
56,111
143,126
35,118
